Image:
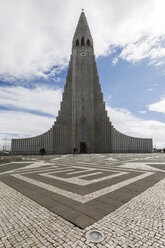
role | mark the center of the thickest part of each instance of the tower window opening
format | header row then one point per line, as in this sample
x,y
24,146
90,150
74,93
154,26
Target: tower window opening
x,y
82,41
88,42
77,42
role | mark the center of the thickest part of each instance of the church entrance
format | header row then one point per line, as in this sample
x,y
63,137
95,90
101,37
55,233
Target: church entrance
x,y
83,147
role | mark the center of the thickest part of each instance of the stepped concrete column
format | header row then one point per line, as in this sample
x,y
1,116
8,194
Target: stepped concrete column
x,y
49,141
115,141
32,146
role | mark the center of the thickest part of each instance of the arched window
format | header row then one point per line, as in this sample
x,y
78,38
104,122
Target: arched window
x,y
77,42
82,41
88,42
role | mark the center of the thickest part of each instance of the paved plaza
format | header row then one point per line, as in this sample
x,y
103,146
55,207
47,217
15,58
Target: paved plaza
x,y
52,201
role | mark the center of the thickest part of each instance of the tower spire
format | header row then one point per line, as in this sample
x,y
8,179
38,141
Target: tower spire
x,y
82,29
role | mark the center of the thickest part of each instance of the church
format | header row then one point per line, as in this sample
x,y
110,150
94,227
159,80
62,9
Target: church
x,y
82,120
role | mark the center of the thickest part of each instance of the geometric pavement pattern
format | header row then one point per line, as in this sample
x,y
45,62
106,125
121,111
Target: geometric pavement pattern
x,y
85,188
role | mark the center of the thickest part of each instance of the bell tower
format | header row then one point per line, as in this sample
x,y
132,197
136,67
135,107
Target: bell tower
x,y
82,87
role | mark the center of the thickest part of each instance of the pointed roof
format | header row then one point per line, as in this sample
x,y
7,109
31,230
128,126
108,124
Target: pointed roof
x,y
82,27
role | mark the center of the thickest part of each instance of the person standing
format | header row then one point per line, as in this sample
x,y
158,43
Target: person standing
x,y
75,151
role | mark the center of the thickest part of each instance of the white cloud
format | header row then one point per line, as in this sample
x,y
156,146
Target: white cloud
x,y
22,124
37,35
127,123
147,47
109,96
142,111
114,61
158,106
41,98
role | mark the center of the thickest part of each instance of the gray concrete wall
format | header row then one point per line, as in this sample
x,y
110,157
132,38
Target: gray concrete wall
x,y
32,145
124,143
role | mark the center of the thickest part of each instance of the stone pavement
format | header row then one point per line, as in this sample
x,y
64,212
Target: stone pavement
x,y
128,189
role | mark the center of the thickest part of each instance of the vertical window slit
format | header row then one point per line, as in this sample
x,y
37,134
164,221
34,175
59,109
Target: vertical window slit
x,y
82,41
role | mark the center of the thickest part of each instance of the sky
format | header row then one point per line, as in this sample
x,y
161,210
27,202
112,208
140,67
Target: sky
x,y
35,47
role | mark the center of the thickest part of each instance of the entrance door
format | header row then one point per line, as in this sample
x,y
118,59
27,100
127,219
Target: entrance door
x,y
83,148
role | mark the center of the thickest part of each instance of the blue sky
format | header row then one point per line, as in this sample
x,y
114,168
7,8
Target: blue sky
x,y
131,86
35,47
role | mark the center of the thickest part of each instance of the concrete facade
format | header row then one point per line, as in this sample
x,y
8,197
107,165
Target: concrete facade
x,y
82,121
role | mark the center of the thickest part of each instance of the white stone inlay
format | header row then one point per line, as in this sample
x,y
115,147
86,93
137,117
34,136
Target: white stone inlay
x,y
42,170
110,159
85,198
37,164
142,166
82,182
77,172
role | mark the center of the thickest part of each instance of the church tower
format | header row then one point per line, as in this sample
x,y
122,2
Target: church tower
x,y
82,121
82,87
87,125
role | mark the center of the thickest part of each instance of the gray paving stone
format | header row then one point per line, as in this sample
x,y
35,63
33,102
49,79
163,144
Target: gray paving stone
x,y
137,223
